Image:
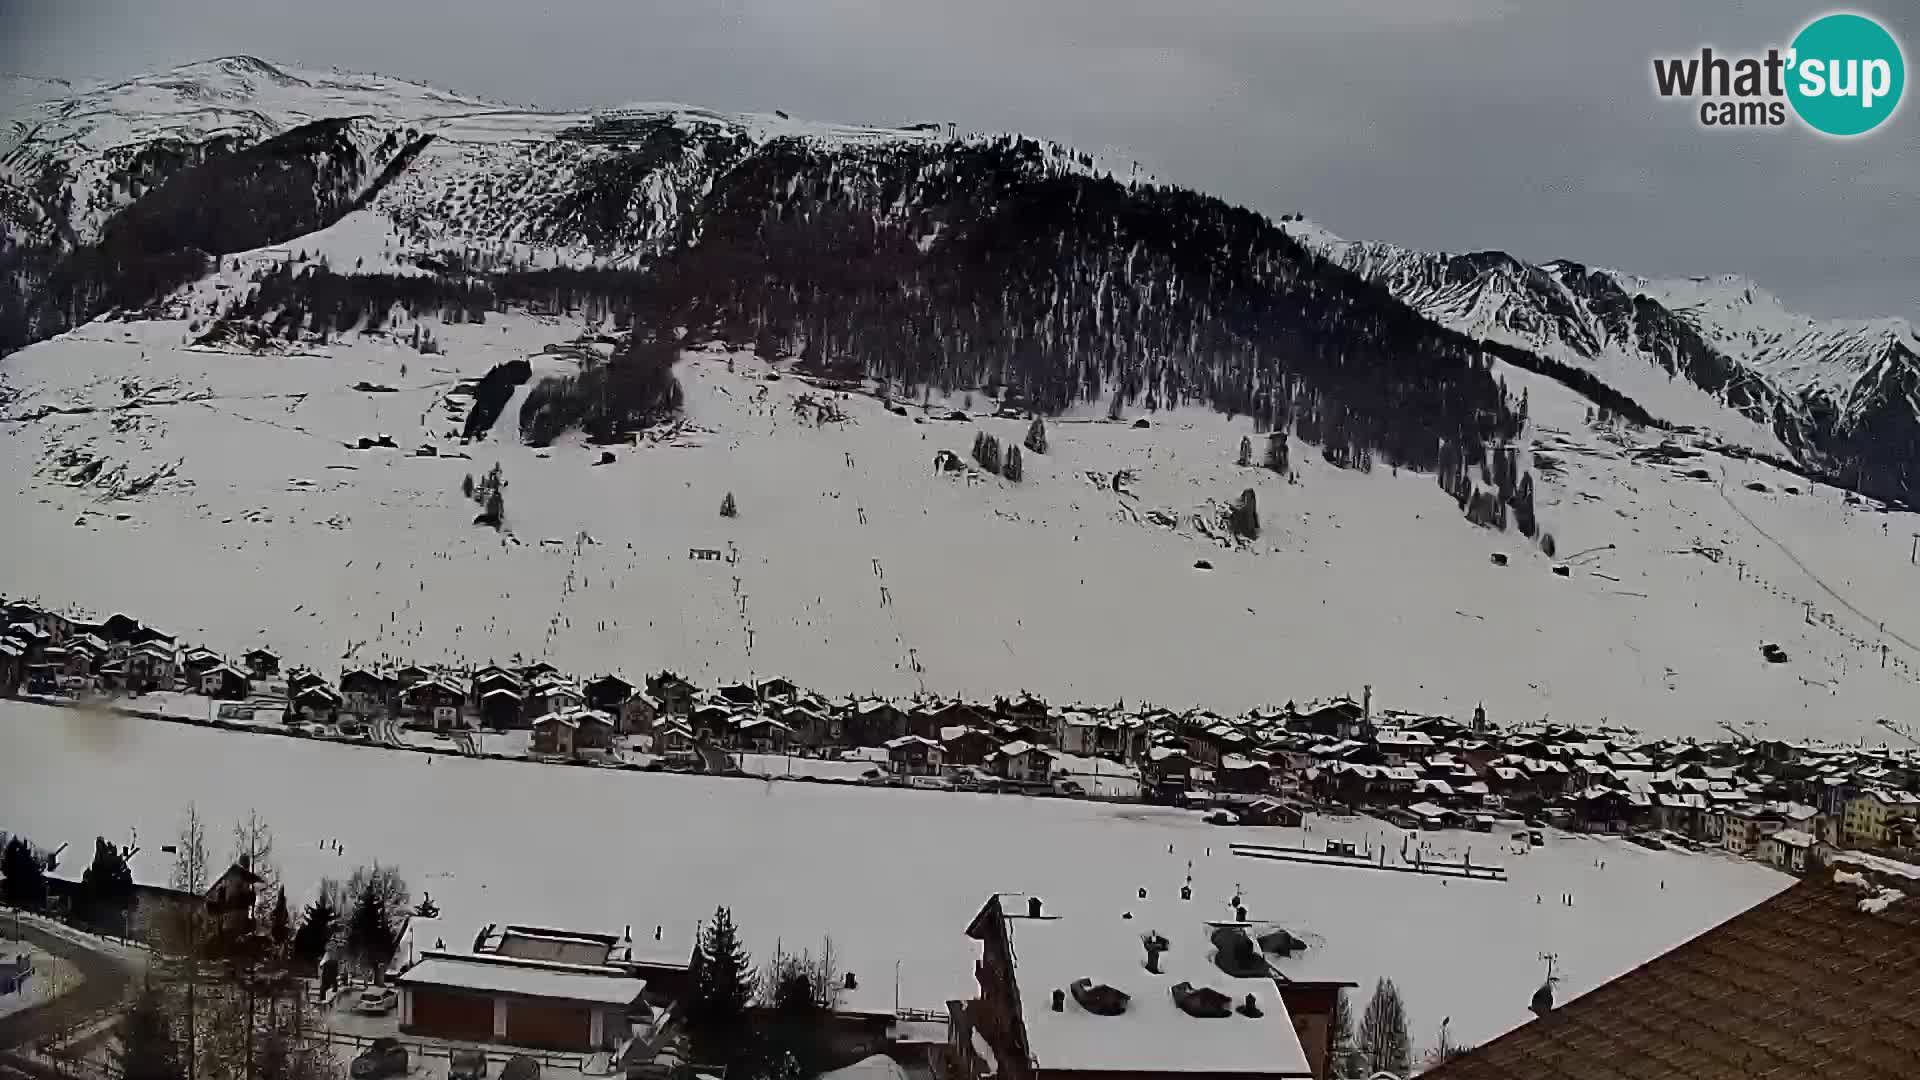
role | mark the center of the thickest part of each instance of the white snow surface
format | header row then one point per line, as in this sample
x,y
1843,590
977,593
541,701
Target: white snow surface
x,y
893,877
52,975
859,569
1153,1034
532,979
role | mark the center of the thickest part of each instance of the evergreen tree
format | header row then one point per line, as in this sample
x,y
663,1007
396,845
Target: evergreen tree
x,y
106,889
728,508
1246,452
1012,469
1523,518
1037,437
281,925
1385,1035
1347,1061
146,1047
379,899
1244,517
495,507
1277,452
317,928
25,884
723,986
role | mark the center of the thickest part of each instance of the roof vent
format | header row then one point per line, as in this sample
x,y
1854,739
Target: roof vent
x,y
1100,1000
1250,1008
1155,946
1059,1001
1203,1002
851,983
1033,907
1186,892
1234,953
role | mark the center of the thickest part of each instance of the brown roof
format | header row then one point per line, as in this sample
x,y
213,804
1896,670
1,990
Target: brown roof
x,y
1804,985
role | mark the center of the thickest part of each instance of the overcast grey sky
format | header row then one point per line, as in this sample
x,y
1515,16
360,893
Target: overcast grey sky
x,y
1526,125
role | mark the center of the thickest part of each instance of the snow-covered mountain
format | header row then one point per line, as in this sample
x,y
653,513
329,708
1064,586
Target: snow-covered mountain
x,y
226,283
1720,355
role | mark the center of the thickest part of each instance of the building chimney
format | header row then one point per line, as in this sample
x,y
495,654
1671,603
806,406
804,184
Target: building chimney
x,y
1155,946
1240,913
1059,1001
627,935
1250,1007
1033,907
656,932
1186,892
851,982
1143,894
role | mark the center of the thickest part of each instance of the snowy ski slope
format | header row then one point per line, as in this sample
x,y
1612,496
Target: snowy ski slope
x,y
855,567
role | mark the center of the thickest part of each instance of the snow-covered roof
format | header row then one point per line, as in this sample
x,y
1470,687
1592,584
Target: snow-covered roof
x,y
525,978
1793,838
1153,1035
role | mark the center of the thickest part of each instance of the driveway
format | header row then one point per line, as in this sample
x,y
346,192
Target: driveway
x,y
104,976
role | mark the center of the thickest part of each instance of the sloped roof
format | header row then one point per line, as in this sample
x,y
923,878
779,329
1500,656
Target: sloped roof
x,y
1810,983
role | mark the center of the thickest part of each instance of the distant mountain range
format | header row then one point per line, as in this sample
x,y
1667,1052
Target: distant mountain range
x,y
918,255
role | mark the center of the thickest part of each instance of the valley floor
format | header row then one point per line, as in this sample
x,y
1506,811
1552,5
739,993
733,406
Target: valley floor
x,y
601,850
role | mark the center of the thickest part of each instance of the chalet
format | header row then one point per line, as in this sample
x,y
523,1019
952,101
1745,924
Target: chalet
x,y
1029,710
638,713
1341,718
777,689
1792,850
223,680
712,721
365,693
809,726
501,708
437,702
960,745
912,755
196,660
607,693
674,694
492,677
1244,775
872,721
409,675
1271,811
1022,762
536,669
551,693
150,666
261,663
315,703
12,666
757,731
674,741
738,693
1152,996
572,733
1169,766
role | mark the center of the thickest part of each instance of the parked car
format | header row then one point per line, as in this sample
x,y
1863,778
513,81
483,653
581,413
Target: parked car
x,y
384,1057
520,1067
377,1001
467,1065
1222,817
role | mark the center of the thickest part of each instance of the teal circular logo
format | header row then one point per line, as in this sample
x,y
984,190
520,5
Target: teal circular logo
x,y
1847,74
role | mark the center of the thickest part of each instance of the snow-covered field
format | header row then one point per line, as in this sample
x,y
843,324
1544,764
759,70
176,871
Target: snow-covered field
x,y
854,567
52,976
892,876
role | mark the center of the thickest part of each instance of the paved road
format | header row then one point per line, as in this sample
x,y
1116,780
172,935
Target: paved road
x,y
104,979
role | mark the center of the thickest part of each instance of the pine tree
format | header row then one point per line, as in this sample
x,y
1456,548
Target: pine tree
x,y
1012,470
379,899
1277,452
1346,1058
1037,437
728,508
106,889
317,928
1385,1035
1246,452
1244,517
25,884
281,925
146,1047
723,985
